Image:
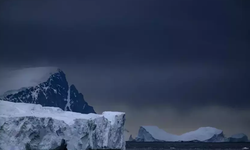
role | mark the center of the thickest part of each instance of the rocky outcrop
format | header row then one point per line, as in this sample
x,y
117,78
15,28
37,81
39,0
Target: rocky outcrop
x,y
53,91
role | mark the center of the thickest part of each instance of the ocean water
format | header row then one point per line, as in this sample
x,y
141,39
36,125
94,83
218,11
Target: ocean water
x,y
186,146
183,149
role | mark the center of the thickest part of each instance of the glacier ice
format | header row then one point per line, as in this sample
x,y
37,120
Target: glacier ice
x,y
25,125
131,138
240,137
204,134
153,133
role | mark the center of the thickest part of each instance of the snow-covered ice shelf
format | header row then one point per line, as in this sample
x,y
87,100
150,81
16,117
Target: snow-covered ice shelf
x,y
44,128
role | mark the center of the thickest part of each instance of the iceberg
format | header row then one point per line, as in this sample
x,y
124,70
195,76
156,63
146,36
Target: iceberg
x,y
153,133
131,138
240,137
32,126
203,134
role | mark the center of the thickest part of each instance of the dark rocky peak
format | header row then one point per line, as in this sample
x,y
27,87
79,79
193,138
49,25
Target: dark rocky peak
x,y
75,98
54,91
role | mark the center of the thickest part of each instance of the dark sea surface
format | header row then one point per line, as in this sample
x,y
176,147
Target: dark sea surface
x,y
186,146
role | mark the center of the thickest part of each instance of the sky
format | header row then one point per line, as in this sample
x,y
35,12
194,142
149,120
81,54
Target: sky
x,y
176,64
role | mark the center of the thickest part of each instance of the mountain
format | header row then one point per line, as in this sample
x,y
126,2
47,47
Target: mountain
x,y
47,86
203,134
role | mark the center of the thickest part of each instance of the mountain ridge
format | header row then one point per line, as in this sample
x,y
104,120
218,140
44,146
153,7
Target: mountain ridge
x,y
55,91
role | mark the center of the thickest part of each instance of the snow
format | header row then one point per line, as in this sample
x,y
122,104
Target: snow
x,y
34,94
201,134
9,109
68,101
160,134
46,127
153,133
110,116
14,80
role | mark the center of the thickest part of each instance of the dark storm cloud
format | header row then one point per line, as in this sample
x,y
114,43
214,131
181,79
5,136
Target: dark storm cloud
x,y
160,55
170,119
180,85
155,30
177,52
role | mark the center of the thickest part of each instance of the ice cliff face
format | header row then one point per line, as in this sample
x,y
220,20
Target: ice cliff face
x,y
47,86
203,134
29,126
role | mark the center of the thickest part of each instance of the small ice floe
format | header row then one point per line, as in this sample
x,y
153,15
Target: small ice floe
x,y
245,148
172,148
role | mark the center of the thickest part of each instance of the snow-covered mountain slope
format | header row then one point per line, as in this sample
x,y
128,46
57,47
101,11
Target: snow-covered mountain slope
x,y
30,125
47,86
240,137
204,134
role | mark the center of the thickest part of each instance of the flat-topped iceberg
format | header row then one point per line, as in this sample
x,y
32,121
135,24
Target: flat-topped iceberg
x,y
46,128
203,134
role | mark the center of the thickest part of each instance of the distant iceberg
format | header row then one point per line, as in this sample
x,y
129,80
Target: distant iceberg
x,y
153,133
240,137
131,138
203,134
